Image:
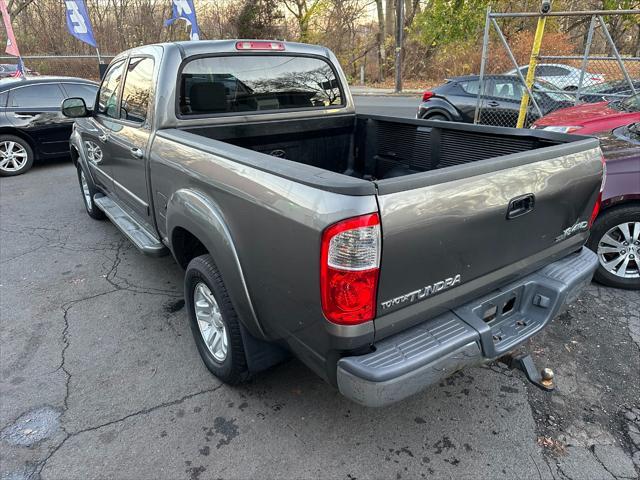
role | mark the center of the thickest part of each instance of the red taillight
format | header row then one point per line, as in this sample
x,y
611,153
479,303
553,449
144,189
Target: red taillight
x,y
427,95
260,46
597,205
349,268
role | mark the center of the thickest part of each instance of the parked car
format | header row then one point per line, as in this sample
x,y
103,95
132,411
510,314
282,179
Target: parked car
x,y
564,77
615,90
385,253
31,123
615,235
590,118
9,69
456,100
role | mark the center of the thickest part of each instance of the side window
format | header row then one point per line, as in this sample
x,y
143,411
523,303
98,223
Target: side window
x,y
47,95
3,99
137,90
86,92
470,86
108,96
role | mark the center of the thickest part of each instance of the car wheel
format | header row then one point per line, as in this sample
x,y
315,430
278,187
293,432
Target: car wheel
x,y
438,116
615,237
16,156
88,190
214,322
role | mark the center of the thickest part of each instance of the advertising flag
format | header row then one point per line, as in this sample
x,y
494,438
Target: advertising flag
x,y
184,9
12,46
78,21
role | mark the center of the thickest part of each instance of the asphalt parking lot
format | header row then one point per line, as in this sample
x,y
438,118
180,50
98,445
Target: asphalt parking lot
x,y
100,379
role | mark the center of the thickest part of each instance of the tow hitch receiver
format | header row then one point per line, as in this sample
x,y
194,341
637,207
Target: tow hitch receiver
x,y
524,362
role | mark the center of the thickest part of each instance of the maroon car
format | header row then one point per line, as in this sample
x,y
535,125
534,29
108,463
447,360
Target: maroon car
x,y
615,235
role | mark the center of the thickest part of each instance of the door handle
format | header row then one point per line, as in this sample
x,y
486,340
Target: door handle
x,y
24,115
137,153
521,205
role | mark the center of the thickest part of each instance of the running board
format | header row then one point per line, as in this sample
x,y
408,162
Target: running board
x,y
142,238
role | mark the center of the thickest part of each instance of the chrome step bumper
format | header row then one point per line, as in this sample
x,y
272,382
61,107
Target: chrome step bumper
x,y
476,332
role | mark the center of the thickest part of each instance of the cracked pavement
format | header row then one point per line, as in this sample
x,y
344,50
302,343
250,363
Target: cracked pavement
x,y
100,379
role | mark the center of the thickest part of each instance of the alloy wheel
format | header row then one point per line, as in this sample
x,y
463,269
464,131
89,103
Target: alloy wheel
x,y
209,318
13,156
619,248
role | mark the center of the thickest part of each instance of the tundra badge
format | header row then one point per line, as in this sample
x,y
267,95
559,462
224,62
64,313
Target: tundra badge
x,y
424,292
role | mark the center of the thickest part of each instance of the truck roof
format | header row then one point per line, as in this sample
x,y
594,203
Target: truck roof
x,y
200,47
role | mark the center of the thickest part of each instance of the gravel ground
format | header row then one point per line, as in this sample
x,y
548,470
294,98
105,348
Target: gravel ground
x,y
100,379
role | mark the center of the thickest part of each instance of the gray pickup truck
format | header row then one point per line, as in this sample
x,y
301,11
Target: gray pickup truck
x,y
384,253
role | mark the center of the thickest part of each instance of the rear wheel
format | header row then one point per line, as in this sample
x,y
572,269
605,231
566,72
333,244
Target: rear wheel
x,y
214,322
16,156
615,237
438,116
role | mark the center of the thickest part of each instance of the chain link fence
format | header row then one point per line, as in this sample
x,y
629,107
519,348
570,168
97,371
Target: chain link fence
x,y
569,70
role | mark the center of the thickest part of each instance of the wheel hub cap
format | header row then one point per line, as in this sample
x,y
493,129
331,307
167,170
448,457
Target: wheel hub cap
x,y
209,318
618,250
13,156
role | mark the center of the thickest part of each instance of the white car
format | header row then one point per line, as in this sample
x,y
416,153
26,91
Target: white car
x,y
563,77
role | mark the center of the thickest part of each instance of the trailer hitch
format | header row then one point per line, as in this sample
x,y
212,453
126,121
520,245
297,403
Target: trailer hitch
x,y
524,362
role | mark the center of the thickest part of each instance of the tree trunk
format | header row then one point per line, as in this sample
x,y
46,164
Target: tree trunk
x,y
380,40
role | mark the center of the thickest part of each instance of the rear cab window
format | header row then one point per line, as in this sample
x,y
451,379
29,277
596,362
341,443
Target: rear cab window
x,y
257,83
136,93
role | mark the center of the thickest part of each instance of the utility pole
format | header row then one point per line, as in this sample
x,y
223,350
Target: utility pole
x,y
399,40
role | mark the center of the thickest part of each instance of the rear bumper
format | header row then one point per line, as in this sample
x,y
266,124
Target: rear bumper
x,y
479,331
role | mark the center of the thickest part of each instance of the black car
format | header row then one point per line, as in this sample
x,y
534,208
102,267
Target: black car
x,y
31,123
456,100
615,90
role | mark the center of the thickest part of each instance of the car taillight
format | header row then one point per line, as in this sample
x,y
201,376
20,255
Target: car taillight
x,y
349,268
427,95
596,207
260,46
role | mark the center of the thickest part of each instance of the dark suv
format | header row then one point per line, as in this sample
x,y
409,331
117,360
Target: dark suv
x,y
31,123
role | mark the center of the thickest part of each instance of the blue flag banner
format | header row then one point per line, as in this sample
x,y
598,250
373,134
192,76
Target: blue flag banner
x,y
78,21
184,9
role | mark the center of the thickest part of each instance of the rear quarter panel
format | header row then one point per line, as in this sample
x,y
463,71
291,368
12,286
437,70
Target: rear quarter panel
x,y
275,225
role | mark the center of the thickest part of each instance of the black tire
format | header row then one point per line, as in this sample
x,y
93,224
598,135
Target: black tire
x,y
438,116
606,221
89,205
233,369
27,148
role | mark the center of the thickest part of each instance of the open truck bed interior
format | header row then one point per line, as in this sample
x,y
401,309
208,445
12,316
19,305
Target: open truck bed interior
x,y
376,147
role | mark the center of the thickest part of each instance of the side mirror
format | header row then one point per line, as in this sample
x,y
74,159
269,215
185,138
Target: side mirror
x,y
74,108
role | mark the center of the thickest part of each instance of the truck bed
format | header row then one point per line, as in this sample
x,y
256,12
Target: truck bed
x,y
378,148
445,193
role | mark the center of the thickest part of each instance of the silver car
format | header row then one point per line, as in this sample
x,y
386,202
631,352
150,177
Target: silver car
x,y
563,77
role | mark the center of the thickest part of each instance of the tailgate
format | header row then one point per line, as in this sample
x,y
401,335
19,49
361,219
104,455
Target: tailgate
x,y
469,229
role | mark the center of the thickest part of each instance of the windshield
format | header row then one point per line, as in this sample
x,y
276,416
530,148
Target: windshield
x,y
629,104
246,83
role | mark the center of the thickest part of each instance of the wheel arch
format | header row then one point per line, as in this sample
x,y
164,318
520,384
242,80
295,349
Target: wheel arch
x,y
620,201
17,133
196,226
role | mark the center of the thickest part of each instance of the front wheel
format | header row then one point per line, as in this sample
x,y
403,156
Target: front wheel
x,y
214,322
615,237
88,191
438,116
16,156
